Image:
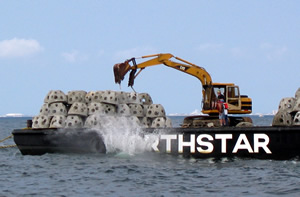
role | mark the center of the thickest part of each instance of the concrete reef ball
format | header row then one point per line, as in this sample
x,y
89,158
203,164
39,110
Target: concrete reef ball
x,y
158,122
297,94
133,98
57,109
297,119
155,110
96,108
122,97
41,121
145,98
89,97
123,110
136,110
76,96
44,109
92,121
288,111
74,121
78,109
296,105
109,97
55,96
109,109
287,104
282,118
58,121
168,122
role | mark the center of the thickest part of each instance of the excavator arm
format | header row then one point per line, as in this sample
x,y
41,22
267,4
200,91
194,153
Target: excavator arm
x,y
121,69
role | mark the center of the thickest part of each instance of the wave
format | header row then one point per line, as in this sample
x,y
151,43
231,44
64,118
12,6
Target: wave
x,y
14,115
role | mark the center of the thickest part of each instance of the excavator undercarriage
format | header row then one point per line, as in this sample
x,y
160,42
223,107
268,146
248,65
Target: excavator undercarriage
x,y
213,121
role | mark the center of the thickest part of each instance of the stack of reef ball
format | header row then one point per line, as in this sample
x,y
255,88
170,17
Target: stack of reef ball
x,y
288,111
80,109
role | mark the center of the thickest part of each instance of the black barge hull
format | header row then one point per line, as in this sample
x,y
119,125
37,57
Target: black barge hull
x,y
41,141
280,143
249,142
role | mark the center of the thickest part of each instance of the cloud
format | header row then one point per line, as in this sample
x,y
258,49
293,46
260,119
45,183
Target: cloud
x,y
19,48
74,56
239,52
134,52
209,47
236,52
70,56
100,52
273,52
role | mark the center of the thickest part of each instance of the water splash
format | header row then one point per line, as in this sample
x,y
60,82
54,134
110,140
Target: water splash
x,y
123,134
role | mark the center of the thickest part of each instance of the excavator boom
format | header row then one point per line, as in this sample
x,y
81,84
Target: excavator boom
x,y
121,69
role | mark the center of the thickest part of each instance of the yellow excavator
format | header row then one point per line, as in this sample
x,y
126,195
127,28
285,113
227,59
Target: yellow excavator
x,y
237,103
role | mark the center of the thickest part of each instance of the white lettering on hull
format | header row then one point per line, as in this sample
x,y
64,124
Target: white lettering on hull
x,y
168,139
223,138
245,145
204,143
209,146
263,145
190,144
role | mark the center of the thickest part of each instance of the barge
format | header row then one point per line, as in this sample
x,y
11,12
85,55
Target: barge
x,y
79,121
261,142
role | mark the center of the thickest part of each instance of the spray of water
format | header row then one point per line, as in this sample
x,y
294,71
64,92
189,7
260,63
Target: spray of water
x,y
123,134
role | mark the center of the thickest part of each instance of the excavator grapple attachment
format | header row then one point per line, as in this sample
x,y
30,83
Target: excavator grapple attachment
x,y
120,71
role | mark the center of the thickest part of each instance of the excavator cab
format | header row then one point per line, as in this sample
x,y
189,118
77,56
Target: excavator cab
x,y
237,104
233,98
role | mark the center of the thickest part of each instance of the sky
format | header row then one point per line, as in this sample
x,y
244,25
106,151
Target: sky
x,y
72,45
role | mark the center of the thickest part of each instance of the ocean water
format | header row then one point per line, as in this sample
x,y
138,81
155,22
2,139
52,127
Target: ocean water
x,y
141,173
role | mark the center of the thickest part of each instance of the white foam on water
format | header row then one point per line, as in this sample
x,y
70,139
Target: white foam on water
x,y
123,134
